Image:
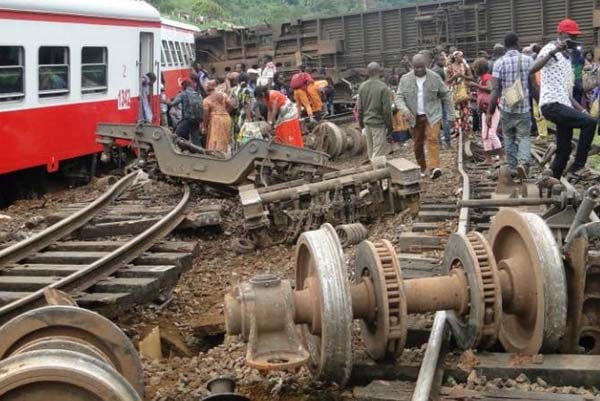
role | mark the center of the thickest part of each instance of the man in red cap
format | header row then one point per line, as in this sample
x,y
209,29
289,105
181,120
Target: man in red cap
x,y
557,103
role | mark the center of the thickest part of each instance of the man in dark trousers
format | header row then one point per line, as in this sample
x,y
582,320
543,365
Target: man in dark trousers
x,y
558,105
375,111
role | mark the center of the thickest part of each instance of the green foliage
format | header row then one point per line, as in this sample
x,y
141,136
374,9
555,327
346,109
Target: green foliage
x,y
254,12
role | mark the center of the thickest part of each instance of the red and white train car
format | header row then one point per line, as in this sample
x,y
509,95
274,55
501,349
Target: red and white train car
x,y
66,65
178,52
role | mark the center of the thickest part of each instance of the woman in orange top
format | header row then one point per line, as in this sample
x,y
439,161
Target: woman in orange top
x,y
282,115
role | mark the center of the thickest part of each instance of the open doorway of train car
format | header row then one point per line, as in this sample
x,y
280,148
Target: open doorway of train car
x,y
146,65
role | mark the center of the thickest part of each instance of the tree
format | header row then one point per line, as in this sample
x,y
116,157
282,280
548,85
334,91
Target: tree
x,y
210,9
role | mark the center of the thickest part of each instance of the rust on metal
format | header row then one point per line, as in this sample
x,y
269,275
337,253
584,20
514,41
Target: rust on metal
x,y
68,353
231,171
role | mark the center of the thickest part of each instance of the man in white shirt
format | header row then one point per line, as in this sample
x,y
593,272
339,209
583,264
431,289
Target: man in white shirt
x,y
267,73
421,94
557,103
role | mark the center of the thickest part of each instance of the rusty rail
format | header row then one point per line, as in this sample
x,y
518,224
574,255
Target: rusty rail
x,y
101,268
66,226
429,365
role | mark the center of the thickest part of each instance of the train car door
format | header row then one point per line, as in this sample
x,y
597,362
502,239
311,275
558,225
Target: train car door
x,y
146,63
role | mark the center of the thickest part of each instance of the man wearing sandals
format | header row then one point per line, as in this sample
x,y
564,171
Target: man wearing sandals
x,y
557,103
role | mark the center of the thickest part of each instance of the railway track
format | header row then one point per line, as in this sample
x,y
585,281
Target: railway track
x,y
461,259
102,269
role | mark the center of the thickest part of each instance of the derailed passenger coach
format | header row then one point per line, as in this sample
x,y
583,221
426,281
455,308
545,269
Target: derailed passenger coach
x,y
65,66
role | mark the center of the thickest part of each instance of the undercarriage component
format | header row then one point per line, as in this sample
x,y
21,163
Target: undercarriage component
x,y
212,169
342,197
534,295
351,234
487,292
67,353
223,389
330,138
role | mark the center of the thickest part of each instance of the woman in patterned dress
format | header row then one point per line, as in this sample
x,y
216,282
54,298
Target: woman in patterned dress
x,y
459,73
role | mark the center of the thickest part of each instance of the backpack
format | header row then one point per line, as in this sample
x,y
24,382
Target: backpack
x,y
298,81
193,106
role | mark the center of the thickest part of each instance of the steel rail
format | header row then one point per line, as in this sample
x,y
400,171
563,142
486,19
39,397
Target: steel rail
x,y
66,226
538,157
103,267
427,371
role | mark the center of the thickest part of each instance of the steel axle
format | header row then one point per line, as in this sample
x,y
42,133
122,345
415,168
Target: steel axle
x,y
487,292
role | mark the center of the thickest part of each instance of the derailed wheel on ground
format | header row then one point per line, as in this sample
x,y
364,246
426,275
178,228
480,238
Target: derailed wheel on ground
x,y
384,331
357,141
333,140
479,326
534,291
73,329
62,375
320,266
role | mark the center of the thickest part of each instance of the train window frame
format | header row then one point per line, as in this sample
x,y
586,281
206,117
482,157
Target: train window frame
x,y
176,61
20,66
189,50
193,50
66,64
165,49
180,53
99,88
185,54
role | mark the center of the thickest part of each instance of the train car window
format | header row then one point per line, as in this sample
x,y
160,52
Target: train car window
x,y
167,53
12,63
94,66
53,71
174,53
193,49
162,57
183,53
189,50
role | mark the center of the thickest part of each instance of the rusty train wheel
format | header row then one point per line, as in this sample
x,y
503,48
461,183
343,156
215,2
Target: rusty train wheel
x,y
472,253
319,257
61,375
524,240
385,336
76,330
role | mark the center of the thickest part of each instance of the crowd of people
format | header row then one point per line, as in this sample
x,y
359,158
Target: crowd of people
x,y
507,97
219,114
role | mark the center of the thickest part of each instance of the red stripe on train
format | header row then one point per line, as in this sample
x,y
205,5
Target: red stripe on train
x,y
74,19
48,135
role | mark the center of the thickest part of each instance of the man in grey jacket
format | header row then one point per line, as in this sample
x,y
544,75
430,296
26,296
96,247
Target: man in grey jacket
x,y
420,96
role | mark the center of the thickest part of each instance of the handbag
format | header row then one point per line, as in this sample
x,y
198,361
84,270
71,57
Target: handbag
x,y
515,94
590,80
461,93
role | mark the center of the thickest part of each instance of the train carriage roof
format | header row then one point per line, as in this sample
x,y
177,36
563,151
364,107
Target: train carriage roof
x,y
169,23
136,10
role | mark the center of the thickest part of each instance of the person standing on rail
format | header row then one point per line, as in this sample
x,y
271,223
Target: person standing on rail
x,y
282,116
510,84
558,105
375,111
192,113
421,96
